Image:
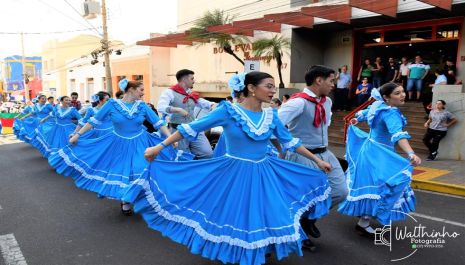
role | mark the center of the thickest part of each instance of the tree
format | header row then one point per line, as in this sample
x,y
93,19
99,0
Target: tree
x,y
272,49
221,40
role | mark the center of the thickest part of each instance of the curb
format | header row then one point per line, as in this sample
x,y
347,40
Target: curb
x,y
439,187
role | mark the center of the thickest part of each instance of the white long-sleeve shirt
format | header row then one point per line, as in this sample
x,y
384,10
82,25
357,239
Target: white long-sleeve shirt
x,y
288,112
167,96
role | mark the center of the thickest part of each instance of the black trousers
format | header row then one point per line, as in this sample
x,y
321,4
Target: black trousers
x,y
432,139
341,99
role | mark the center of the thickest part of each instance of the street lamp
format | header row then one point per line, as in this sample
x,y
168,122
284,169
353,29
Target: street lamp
x,y
91,9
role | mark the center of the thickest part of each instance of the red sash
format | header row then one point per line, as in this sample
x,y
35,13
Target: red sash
x,y
193,95
320,113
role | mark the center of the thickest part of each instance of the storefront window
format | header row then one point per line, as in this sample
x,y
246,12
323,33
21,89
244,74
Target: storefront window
x,y
372,37
448,31
138,77
415,34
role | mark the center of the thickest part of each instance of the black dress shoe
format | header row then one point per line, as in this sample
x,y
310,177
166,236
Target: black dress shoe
x,y
128,212
307,244
363,232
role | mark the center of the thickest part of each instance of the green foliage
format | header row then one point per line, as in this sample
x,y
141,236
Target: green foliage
x,y
271,48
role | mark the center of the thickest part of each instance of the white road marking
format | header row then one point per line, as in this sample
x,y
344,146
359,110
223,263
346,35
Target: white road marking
x,y
437,219
441,194
10,250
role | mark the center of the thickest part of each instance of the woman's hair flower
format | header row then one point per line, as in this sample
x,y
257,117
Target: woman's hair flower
x,y
123,84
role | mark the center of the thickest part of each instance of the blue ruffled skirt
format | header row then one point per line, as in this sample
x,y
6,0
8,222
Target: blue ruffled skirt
x,y
27,131
378,180
96,133
231,209
108,164
17,125
52,137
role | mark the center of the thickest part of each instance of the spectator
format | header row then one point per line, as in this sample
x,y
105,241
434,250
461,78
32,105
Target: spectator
x,y
416,74
275,103
74,100
365,71
378,73
450,76
344,80
363,91
441,79
436,127
119,94
403,73
50,100
392,71
286,97
450,65
230,99
84,107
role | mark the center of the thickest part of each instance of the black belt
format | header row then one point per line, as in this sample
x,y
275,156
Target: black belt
x,y
317,150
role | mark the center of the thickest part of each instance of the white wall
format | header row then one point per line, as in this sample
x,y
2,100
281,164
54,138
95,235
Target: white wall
x,y
339,53
81,71
453,145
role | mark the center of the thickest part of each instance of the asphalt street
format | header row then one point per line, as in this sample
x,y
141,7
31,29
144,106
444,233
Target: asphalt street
x,y
46,220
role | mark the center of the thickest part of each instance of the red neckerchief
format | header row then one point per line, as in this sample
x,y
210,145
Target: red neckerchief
x,y
320,113
193,95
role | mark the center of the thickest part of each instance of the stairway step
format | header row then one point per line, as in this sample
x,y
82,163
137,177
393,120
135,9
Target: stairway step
x,y
421,149
414,130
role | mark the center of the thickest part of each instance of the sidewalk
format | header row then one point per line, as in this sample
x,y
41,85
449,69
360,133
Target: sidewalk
x,y
445,176
8,139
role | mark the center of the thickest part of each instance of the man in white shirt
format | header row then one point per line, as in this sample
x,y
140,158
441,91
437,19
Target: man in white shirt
x,y
403,72
179,102
308,116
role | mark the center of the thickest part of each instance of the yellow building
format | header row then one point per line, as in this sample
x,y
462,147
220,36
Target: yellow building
x,y
57,56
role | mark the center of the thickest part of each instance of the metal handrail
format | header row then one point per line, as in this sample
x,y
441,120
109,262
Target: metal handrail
x,y
351,115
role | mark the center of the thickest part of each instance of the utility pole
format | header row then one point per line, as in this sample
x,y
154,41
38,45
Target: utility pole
x,y
106,49
23,64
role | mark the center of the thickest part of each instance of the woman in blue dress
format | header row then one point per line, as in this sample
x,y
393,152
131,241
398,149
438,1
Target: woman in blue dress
x,y
108,164
50,138
220,147
100,129
18,123
378,177
40,111
245,204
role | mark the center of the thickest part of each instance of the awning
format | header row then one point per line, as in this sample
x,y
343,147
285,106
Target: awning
x,y
305,17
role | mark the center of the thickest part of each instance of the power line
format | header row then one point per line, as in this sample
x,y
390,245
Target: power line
x,y
43,33
62,13
79,14
67,64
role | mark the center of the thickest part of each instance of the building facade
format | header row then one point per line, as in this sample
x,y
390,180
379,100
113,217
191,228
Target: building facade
x,y
16,76
332,33
59,57
336,33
